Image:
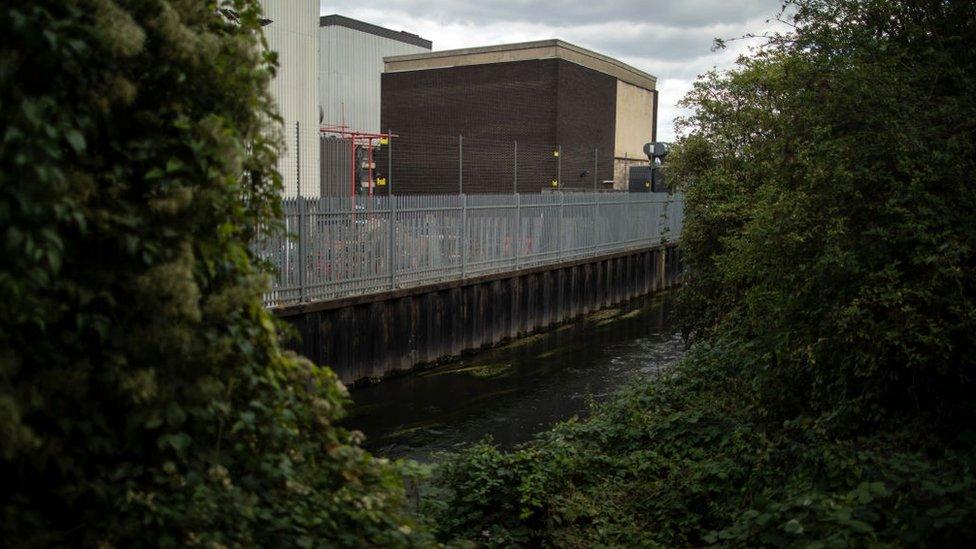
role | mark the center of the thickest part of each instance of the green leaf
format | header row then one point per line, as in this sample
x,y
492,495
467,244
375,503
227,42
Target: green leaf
x,y
793,526
175,416
76,140
154,421
178,441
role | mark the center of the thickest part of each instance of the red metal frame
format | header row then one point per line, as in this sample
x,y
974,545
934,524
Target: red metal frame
x,y
361,139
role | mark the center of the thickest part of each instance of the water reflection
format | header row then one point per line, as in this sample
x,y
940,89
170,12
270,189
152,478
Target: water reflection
x,y
515,391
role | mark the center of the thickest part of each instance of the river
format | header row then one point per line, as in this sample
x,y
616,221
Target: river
x,y
512,392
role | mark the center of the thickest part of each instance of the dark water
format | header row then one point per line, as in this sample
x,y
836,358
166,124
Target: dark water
x,y
516,391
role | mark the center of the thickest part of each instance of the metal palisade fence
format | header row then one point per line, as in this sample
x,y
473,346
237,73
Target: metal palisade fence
x,y
340,246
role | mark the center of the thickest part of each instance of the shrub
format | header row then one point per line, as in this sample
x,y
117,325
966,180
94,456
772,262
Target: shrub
x,y
682,461
144,399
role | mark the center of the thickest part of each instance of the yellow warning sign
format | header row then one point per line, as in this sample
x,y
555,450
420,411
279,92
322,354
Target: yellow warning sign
x,y
384,141
380,181
555,183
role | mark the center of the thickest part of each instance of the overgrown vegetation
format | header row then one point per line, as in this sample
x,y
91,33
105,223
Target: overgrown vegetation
x,y
829,294
829,245
144,399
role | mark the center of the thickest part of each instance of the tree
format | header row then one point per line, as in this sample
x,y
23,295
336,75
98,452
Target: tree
x,y
144,398
831,216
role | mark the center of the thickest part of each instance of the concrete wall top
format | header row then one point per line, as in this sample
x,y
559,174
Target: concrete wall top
x,y
523,51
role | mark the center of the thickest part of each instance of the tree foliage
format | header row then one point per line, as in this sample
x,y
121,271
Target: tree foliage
x,y
831,215
143,396
830,295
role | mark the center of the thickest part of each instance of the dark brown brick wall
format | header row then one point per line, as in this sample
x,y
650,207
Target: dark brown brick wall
x,y
585,123
537,103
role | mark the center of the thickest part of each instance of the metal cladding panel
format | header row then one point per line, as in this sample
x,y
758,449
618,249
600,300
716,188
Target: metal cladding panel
x,y
336,166
350,68
293,34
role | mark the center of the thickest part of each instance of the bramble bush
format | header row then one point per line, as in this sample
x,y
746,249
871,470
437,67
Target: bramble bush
x,y
144,398
830,298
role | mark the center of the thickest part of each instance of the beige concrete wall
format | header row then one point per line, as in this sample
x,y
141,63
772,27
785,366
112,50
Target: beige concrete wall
x,y
621,171
635,116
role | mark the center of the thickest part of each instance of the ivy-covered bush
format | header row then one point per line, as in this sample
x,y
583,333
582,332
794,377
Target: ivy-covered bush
x,y
144,399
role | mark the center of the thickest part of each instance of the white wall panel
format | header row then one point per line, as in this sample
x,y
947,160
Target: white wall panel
x,y
293,33
350,69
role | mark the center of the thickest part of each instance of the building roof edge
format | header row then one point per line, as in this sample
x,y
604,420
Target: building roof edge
x,y
362,26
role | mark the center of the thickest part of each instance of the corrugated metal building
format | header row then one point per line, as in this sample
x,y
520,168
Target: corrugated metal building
x,y
350,66
596,111
292,32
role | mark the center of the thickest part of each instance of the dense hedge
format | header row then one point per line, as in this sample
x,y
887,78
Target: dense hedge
x,y
144,399
830,294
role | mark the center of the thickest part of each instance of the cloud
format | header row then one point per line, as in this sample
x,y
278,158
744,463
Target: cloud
x,y
672,13
670,39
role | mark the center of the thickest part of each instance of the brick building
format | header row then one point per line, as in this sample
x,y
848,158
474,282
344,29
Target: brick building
x,y
549,97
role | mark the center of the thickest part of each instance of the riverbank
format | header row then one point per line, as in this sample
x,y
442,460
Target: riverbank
x,y
686,460
512,392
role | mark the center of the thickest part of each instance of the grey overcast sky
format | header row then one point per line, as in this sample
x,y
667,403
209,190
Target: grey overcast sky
x,y
670,39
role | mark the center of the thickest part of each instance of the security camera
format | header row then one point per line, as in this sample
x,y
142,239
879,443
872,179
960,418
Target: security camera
x,y
656,150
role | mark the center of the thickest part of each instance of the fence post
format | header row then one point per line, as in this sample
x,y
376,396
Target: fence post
x,y
301,249
596,222
464,233
461,164
392,207
666,233
518,228
389,162
596,153
516,168
392,244
559,166
559,228
298,160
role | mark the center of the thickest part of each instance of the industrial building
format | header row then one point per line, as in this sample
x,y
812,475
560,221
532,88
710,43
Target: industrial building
x,y
575,118
518,117
351,56
329,71
291,30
